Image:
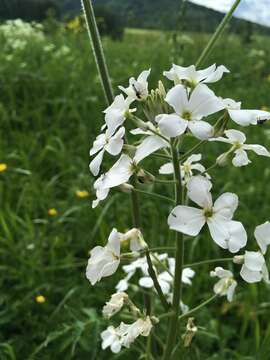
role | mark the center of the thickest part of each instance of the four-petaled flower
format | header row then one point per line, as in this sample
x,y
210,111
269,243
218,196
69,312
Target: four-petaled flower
x,y
227,233
237,139
192,77
137,89
189,112
114,305
104,261
104,142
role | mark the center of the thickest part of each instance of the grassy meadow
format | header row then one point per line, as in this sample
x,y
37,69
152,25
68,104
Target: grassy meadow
x,y
51,107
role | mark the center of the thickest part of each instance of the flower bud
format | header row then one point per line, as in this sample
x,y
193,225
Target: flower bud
x,y
222,160
239,259
144,177
126,188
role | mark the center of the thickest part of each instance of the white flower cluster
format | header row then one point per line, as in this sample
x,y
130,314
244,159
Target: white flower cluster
x,y
169,116
18,34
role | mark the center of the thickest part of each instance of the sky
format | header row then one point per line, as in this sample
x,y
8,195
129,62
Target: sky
x,y
254,10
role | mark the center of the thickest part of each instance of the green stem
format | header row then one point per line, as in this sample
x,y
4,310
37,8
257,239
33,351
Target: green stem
x,y
208,262
163,181
198,307
210,168
161,197
135,207
97,49
217,34
191,151
179,261
153,276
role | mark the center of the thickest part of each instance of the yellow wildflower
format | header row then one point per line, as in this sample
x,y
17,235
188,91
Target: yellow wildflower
x,y
40,299
82,193
3,167
268,78
52,212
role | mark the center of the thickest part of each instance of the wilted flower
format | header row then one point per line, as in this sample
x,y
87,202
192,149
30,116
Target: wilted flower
x,y
104,261
237,139
227,233
138,89
226,285
115,304
189,112
135,239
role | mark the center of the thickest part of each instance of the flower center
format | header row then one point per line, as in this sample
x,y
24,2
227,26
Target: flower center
x,y
237,145
187,115
208,213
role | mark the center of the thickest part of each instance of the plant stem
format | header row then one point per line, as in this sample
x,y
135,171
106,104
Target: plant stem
x,y
179,261
97,49
211,261
153,276
198,307
195,147
217,33
161,197
135,207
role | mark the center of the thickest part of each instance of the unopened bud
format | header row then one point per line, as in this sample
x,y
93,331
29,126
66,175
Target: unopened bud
x,y
239,259
126,188
144,177
222,160
161,89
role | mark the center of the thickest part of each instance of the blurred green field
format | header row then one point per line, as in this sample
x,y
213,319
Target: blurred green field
x,y
50,111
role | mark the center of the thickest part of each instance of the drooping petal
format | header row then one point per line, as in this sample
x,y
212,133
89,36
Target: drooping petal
x,y
177,98
226,205
186,219
238,236
231,290
248,117
95,164
250,276
119,173
114,118
203,74
199,191
98,144
201,129
115,143
166,168
114,241
204,102
254,260
258,149
240,158
148,146
171,125
143,76
217,74
262,235
235,136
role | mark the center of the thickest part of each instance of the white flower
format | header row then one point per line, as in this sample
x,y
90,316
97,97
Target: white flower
x,y
138,89
120,172
226,285
254,268
189,112
187,273
116,113
244,117
135,239
186,168
113,337
104,261
101,191
237,140
114,305
112,144
125,334
227,233
193,77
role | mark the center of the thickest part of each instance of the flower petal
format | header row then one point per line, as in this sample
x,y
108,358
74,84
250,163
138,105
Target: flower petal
x,y
199,191
254,260
166,168
201,129
171,125
186,219
240,158
238,236
226,205
248,117
216,75
204,102
235,136
116,142
258,149
250,276
262,235
148,146
119,173
95,164
177,98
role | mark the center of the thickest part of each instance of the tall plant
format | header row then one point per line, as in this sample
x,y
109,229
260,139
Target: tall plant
x,y
169,118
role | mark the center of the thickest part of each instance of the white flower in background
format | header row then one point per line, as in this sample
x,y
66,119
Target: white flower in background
x,y
112,144
116,113
114,305
101,191
135,239
137,89
187,273
189,112
254,268
193,77
226,285
237,140
186,168
227,233
104,261
244,117
125,334
113,337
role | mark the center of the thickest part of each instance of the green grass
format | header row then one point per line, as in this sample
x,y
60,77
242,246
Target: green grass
x,y
50,112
